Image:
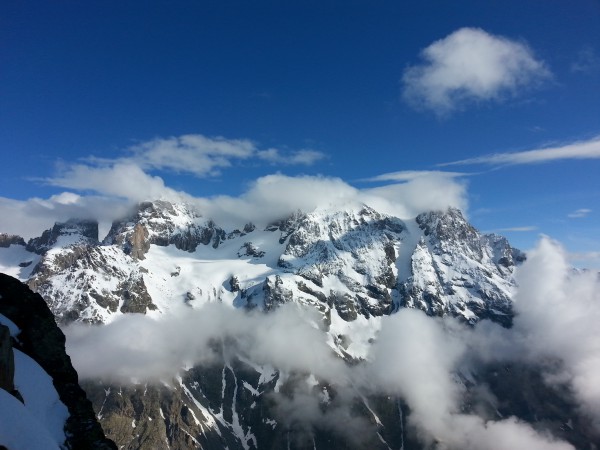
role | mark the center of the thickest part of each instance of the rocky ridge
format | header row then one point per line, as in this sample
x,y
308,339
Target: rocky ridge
x,y
40,338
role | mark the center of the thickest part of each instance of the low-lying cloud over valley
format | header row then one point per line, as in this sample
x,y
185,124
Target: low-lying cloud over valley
x,y
421,359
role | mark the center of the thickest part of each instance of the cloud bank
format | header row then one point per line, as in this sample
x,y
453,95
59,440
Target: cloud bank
x,y
108,191
414,356
558,315
467,66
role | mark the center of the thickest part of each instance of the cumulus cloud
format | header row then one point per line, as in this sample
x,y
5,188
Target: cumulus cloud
x,y
470,65
418,357
98,183
276,196
191,153
558,311
122,180
268,198
433,192
415,357
201,155
588,149
29,218
137,347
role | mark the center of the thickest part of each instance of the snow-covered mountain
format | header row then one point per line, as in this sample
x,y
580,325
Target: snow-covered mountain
x,y
352,265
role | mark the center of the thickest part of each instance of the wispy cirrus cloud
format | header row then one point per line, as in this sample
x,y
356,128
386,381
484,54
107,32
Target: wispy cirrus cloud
x,y
516,229
303,157
468,66
587,61
410,175
588,149
579,213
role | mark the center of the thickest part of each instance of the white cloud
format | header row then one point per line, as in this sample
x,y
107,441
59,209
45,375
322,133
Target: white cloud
x,y
201,156
470,65
409,175
579,213
427,193
414,356
123,180
558,315
191,153
137,347
589,149
268,198
304,157
517,229
587,61
29,218
276,196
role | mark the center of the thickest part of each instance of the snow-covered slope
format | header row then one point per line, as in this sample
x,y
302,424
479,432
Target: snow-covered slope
x,y
349,263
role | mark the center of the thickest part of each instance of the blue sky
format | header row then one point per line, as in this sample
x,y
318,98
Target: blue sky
x,y
211,97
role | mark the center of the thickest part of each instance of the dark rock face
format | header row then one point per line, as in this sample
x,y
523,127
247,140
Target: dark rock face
x,y
7,360
520,390
233,405
135,296
6,240
43,341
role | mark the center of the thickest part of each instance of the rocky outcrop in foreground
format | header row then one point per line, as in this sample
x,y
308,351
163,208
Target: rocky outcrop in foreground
x,y
42,340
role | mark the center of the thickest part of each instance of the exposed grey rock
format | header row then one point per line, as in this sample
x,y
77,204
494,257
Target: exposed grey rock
x,y
275,293
249,249
135,296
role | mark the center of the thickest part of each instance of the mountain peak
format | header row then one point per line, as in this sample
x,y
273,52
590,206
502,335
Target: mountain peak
x,y
64,234
163,223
